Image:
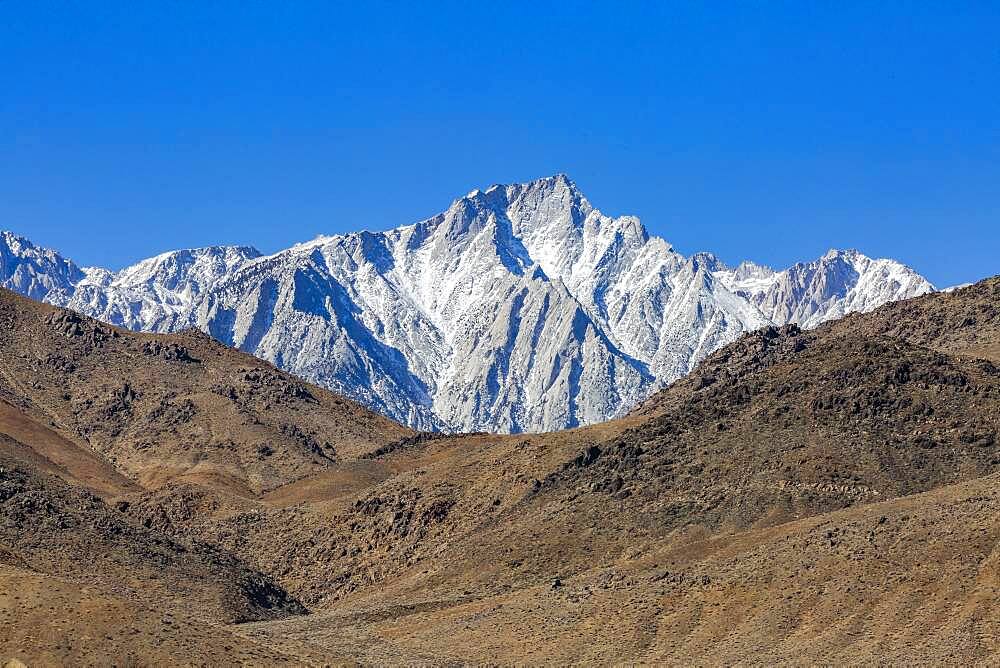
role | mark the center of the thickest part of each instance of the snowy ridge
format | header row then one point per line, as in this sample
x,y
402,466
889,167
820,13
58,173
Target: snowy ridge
x,y
35,272
836,284
157,294
519,308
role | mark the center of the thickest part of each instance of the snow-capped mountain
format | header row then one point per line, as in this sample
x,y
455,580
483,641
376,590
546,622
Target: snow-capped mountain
x,y
157,294
520,308
35,272
838,283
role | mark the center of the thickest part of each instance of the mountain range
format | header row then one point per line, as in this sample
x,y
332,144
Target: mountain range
x,y
828,496
521,308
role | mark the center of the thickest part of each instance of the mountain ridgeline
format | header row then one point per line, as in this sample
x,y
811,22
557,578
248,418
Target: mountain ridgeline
x,y
519,309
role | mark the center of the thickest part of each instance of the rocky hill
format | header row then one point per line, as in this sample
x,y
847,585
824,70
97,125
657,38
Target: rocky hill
x,y
49,527
162,407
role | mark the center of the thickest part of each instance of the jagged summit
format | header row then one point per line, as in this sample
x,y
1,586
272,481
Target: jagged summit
x,y
34,271
519,308
191,265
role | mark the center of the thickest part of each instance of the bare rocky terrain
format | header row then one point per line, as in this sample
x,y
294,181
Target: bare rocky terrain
x,y
804,497
160,408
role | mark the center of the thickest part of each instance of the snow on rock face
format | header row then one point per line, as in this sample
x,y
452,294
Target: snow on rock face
x,y
838,283
38,273
520,308
156,294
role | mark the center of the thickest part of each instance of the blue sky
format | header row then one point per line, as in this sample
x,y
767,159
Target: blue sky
x,y
771,131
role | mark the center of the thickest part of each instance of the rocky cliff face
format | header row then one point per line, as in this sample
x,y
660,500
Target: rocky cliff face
x,y
520,308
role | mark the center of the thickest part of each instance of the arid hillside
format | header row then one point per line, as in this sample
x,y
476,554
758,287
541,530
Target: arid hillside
x,y
80,584
52,528
913,581
177,407
966,321
824,496
90,414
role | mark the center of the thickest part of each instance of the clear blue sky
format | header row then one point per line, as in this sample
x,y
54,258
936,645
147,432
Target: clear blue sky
x,y
763,130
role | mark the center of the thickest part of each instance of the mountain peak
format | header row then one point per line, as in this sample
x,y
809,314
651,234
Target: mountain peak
x,y
750,269
847,254
559,179
556,183
36,272
21,246
545,215
186,272
10,238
